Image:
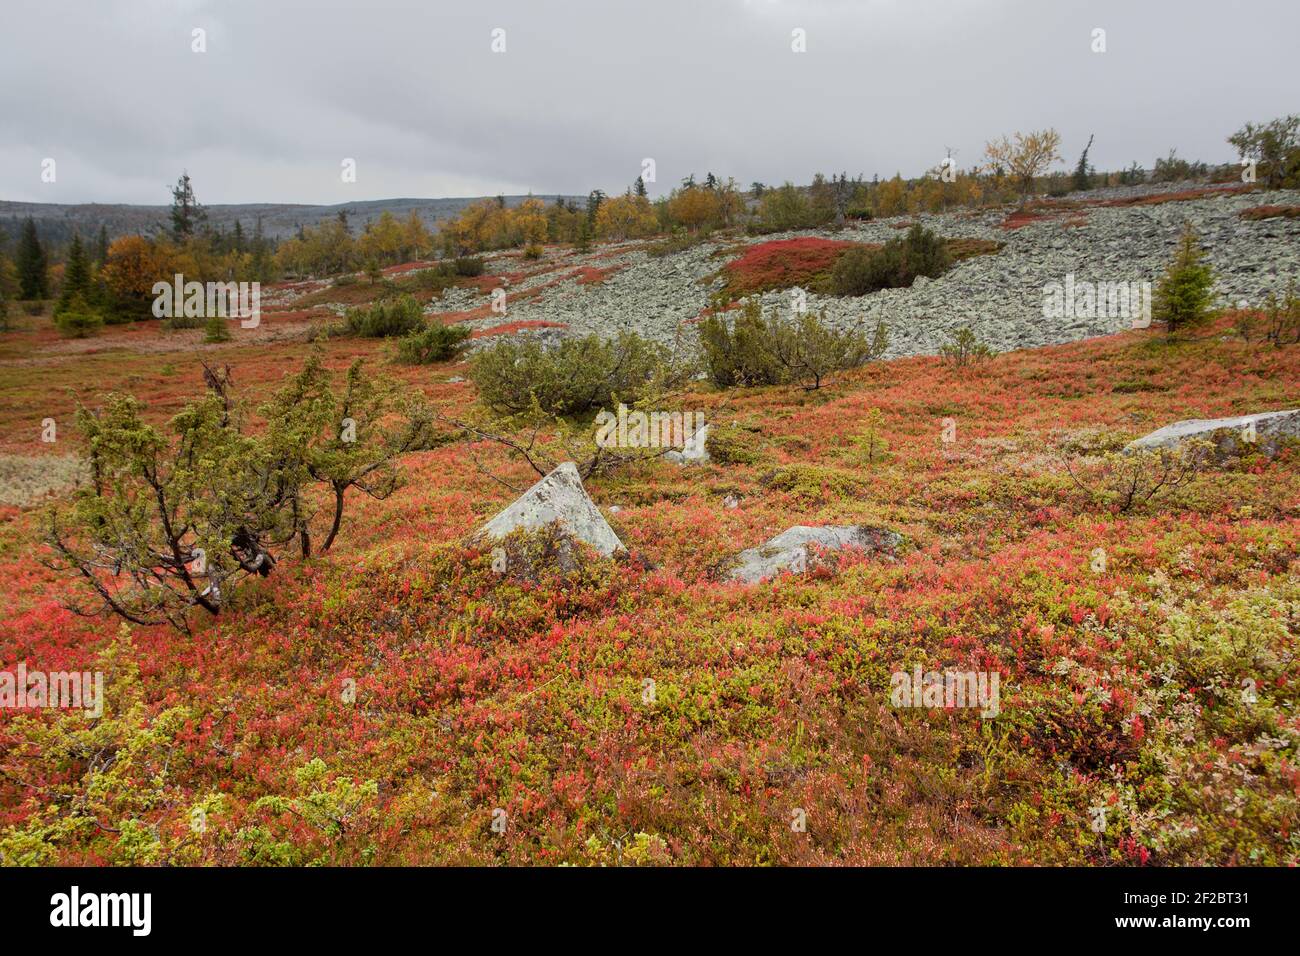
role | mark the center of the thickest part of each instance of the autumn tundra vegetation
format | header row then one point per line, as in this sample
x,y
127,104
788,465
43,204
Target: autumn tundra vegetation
x,y
266,544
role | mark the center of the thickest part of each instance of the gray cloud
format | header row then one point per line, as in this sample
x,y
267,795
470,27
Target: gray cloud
x,y
111,90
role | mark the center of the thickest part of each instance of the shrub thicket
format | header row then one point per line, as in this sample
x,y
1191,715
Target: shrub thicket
x,y
436,343
468,266
385,319
893,266
1275,148
738,352
571,377
804,349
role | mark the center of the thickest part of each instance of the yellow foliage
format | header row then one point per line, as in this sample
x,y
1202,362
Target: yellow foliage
x,y
626,217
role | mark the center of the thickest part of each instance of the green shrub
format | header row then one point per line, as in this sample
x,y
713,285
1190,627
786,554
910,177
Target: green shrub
x,y
1185,293
785,207
806,349
436,343
1171,169
570,378
345,280
1282,318
963,349
739,352
183,321
385,319
468,266
894,266
678,242
78,320
754,350
426,280
216,330
532,251
732,445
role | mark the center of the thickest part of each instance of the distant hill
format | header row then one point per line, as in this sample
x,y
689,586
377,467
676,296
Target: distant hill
x,y
55,222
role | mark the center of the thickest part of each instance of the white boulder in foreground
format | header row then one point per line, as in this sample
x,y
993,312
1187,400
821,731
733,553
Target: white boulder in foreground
x,y
1227,434
693,450
559,498
790,550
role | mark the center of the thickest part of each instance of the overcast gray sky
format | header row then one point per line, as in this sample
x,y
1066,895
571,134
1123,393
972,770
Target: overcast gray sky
x,y
586,89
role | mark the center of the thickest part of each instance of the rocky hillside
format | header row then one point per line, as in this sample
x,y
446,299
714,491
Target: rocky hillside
x,y
1116,235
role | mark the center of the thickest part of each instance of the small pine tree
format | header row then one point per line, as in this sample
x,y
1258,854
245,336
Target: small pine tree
x,y
79,319
32,264
1185,292
216,330
76,276
872,440
639,187
1083,172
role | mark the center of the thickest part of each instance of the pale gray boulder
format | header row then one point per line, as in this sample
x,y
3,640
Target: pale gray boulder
x,y
1228,435
559,498
791,550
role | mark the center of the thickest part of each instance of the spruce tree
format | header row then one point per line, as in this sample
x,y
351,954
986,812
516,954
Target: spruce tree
x,y
187,214
639,187
101,247
261,266
32,279
594,199
76,275
1184,295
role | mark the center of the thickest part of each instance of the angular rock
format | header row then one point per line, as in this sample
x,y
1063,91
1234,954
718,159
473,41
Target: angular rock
x,y
790,550
1227,434
693,449
559,498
